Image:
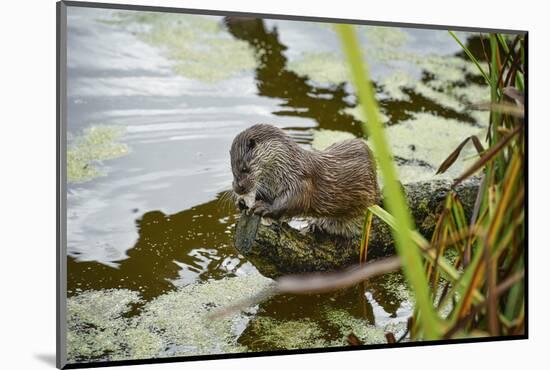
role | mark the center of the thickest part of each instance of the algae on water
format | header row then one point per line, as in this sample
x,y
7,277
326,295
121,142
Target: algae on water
x,y
424,141
428,140
286,334
100,328
357,113
440,78
116,324
443,89
322,139
383,37
331,67
346,324
95,322
85,152
322,67
180,317
199,46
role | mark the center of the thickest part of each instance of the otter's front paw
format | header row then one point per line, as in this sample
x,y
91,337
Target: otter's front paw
x,y
262,209
313,228
241,204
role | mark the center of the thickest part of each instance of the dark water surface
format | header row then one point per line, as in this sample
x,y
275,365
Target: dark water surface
x,y
156,219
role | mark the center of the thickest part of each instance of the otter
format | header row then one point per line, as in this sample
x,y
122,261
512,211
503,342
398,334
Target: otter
x,y
276,178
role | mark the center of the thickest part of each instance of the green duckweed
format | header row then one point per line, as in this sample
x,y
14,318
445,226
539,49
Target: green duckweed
x,y
346,324
198,46
424,140
100,327
287,334
86,152
322,139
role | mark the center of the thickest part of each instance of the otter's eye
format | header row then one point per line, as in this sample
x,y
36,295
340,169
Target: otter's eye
x,y
245,169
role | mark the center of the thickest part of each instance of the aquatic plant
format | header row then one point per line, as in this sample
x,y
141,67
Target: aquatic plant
x,y
198,46
421,142
87,151
322,139
346,324
102,326
483,285
393,195
96,322
286,334
443,81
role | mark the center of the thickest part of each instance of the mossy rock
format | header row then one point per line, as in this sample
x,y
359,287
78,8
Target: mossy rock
x,y
280,249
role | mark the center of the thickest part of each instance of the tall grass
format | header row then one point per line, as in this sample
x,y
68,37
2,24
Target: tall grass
x,y
479,292
393,195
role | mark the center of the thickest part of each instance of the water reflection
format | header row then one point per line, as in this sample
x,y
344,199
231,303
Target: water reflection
x,y
302,98
359,310
171,250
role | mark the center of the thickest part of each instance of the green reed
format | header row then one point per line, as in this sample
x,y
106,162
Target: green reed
x,y
479,292
393,195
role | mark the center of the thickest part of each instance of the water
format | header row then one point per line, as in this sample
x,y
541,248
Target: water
x,y
154,220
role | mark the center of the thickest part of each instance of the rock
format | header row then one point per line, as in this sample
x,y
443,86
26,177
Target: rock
x,y
279,249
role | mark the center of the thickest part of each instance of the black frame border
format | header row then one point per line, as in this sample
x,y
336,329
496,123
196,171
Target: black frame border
x,y
61,131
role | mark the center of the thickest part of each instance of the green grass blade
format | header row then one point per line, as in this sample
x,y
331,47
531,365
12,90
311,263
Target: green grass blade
x,y
363,250
393,195
503,43
472,57
446,269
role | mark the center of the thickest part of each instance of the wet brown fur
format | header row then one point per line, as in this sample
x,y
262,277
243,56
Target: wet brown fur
x,y
277,178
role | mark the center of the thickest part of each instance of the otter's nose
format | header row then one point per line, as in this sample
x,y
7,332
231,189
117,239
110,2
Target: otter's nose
x,y
238,188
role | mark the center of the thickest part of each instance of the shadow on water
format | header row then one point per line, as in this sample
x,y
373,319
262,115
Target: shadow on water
x,y
172,250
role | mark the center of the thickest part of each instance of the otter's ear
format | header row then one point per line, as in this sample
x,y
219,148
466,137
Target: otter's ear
x,y
251,143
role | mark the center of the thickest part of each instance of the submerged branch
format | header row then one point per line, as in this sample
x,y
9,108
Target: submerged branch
x,y
314,283
327,282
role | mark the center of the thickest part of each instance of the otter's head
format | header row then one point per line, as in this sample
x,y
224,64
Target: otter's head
x,y
256,151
